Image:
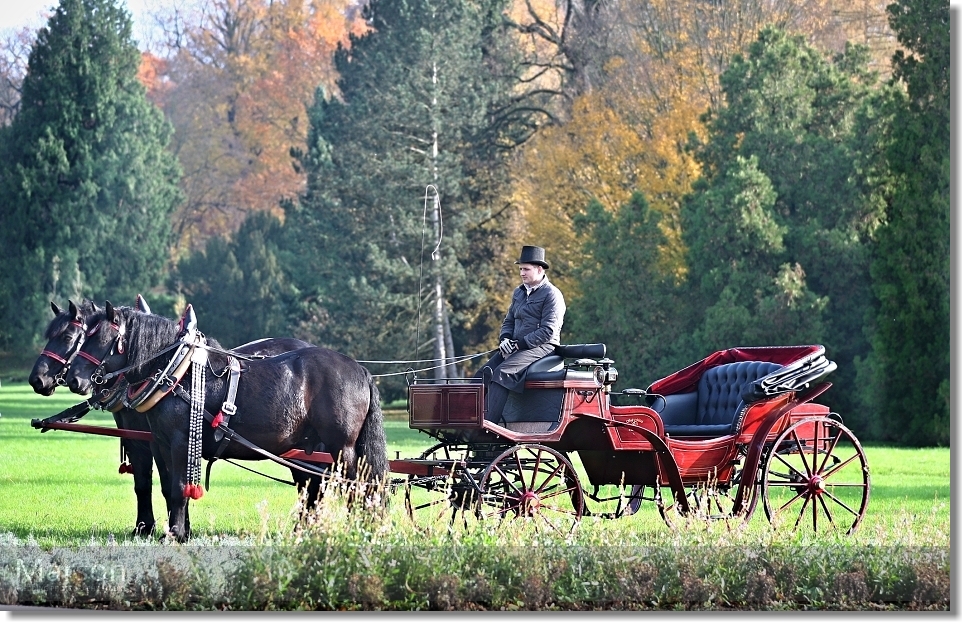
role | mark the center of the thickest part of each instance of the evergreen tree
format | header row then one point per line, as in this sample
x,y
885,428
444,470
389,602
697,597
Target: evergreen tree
x,y
86,182
627,298
910,268
237,287
778,229
426,99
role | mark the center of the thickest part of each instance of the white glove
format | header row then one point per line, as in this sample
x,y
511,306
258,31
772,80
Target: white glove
x,y
507,347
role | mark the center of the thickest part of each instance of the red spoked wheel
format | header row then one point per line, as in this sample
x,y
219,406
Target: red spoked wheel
x,y
817,475
532,482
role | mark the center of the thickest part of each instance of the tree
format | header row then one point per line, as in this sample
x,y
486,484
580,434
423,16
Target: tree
x,y
626,298
238,79
778,230
427,102
237,284
910,267
87,184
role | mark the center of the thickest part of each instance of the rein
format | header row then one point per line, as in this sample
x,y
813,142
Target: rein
x,y
410,371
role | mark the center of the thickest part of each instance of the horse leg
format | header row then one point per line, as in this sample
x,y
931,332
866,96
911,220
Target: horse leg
x,y
164,474
177,502
142,462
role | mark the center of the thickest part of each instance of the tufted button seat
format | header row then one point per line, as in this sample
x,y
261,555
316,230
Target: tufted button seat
x,y
719,404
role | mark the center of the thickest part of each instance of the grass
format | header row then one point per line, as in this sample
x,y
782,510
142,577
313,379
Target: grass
x,y
63,488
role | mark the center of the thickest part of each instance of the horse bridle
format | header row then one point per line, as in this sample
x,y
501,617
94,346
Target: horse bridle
x,y
116,345
65,359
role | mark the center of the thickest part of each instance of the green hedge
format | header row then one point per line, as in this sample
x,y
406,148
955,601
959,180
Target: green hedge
x,y
331,572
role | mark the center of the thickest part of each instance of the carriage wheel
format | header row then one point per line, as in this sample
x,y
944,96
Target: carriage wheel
x,y
817,475
431,500
532,482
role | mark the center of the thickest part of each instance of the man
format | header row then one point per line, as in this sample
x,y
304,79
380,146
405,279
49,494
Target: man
x,y
530,330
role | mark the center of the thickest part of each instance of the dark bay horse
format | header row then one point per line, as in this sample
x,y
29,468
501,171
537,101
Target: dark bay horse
x,y
65,335
310,398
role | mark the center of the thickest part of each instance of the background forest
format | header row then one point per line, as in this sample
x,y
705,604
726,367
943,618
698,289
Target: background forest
x,y
362,174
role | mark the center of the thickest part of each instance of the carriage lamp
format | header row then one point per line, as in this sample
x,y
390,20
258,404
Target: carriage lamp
x,y
611,372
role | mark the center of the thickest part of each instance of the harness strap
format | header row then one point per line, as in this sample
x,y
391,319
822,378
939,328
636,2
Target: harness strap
x,y
228,408
232,435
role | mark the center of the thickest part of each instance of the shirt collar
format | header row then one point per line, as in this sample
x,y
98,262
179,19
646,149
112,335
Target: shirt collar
x,y
528,290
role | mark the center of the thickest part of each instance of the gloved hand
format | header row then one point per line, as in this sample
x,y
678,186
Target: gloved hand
x,y
507,347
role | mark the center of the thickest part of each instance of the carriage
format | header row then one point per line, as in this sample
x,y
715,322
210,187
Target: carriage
x,y
710,440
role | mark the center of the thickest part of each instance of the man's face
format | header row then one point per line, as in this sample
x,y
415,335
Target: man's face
x,y
531,274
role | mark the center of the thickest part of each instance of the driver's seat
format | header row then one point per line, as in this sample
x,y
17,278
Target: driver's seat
x,y
539,410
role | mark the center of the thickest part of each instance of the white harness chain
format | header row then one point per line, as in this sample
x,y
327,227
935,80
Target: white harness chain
x,y
198,392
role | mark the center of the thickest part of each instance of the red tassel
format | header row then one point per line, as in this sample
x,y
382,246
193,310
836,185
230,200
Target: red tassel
x,y
125,468
192,491
217,419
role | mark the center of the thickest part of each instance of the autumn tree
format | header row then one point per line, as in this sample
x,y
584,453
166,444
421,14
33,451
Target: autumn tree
x,y
87,184
240,75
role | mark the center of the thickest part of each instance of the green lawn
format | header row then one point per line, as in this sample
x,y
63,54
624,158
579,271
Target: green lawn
x,y
64,487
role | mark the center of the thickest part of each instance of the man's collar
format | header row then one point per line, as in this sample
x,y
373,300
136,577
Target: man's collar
x,y
528,290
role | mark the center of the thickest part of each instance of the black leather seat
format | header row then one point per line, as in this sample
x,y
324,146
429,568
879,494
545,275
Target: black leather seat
x,y
539,410
717,407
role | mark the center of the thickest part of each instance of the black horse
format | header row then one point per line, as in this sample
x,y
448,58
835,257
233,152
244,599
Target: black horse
x,y
311,398
65,335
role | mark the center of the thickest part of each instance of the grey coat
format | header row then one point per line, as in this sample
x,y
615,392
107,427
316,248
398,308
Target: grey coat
x,y
535,320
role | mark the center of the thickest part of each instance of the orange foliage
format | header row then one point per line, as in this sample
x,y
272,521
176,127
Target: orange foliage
x,y
243,83
665,60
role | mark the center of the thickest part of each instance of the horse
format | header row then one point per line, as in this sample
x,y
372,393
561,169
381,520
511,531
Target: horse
x,y
312,398
65,334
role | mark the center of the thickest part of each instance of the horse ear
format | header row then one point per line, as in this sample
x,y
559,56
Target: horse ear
x,y
142,304
74,311
111,314
56,309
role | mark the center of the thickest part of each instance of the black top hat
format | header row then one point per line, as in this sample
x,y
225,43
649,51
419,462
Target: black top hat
x,y
532,255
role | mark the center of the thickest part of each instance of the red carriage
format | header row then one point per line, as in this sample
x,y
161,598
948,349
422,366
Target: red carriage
x,y
718,436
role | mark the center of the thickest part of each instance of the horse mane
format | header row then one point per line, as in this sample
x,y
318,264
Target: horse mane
x,y
59,322
147,336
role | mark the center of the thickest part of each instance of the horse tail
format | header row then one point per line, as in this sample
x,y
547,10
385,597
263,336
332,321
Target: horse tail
x,y
372,440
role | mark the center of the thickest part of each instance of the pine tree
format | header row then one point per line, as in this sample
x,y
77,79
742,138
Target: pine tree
x,y
911,264
86,182
425,100
779,228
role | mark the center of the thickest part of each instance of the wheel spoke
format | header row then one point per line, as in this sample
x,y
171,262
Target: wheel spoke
x,y
829,451
802,512
841,503
508,481
801,452
789,466
839,466
534,473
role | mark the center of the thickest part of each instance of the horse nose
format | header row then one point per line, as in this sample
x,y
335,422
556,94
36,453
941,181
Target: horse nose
x,y
76,386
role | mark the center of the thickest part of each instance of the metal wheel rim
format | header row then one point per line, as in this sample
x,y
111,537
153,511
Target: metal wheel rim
x,y
820,478
534,482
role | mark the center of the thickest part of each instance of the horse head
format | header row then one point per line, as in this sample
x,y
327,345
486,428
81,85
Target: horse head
x,y
120,337
104,349
65,335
